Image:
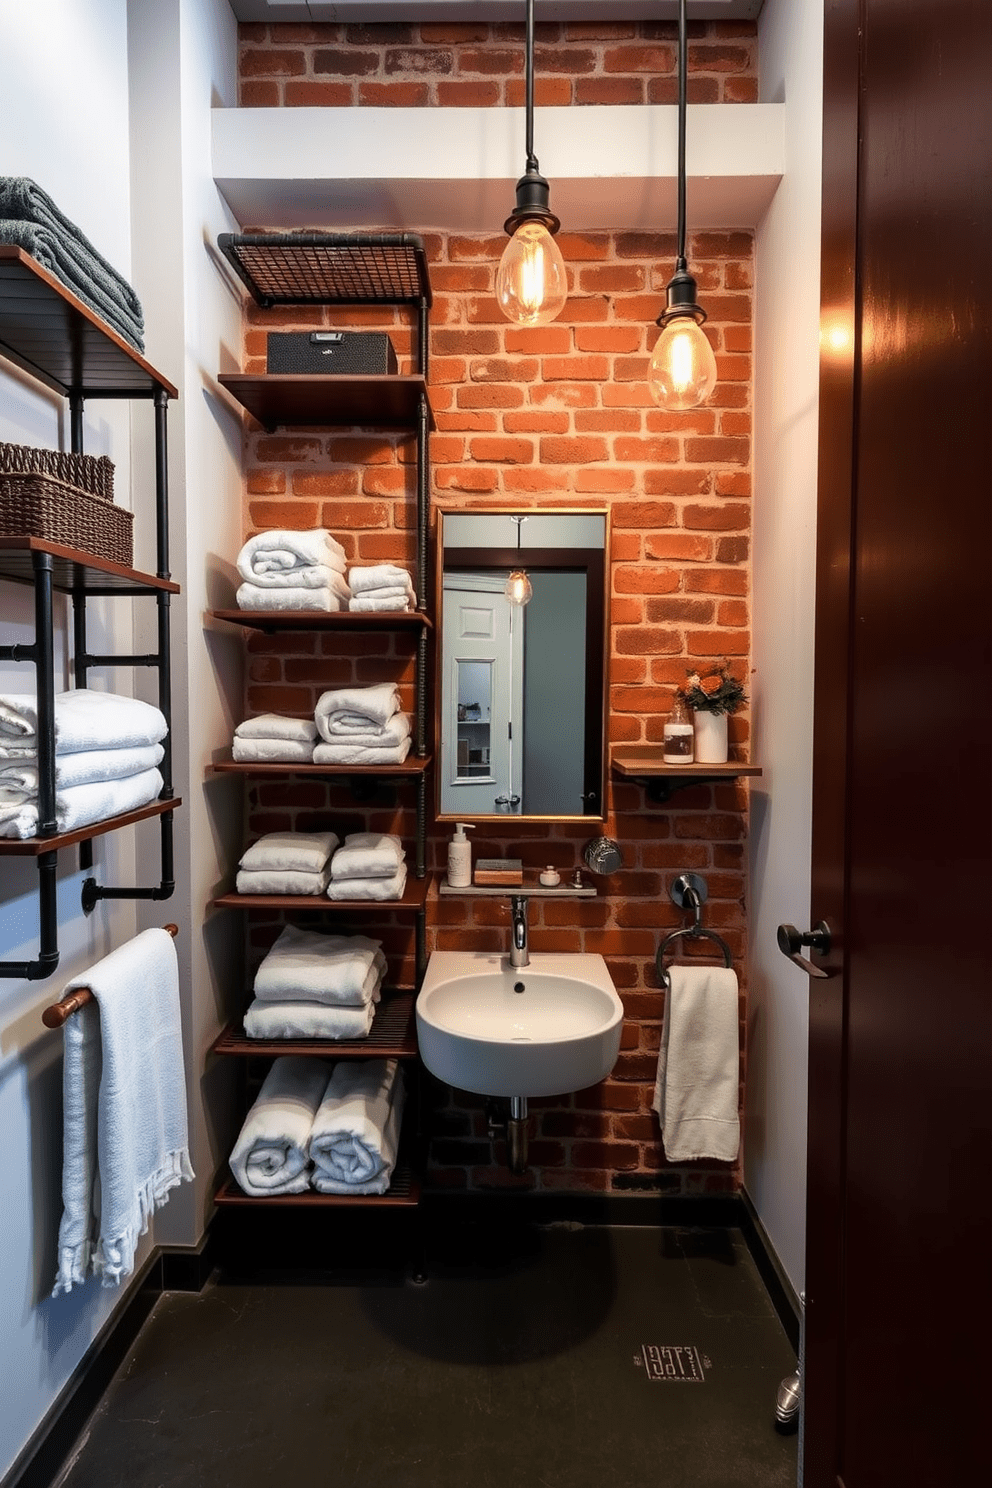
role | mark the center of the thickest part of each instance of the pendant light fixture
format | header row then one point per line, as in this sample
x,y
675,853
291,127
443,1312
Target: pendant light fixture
x,y
531,284
518,588
683,368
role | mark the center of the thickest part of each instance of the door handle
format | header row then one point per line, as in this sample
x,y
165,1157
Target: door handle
x,y
791,942
506,801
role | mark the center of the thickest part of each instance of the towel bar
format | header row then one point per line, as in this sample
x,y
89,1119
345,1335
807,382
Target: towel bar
x,y
689,891
55,1015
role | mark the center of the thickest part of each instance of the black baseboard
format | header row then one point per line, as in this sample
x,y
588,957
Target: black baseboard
x,y
777,1284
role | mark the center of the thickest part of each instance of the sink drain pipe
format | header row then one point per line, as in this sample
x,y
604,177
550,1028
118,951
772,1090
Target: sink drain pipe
x,y
514,1127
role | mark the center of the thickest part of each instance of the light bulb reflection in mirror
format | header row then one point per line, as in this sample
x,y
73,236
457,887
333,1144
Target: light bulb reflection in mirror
x,y
683,368
531,284
518,589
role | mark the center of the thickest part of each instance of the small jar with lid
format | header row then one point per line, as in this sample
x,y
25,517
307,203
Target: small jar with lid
x,y
678,734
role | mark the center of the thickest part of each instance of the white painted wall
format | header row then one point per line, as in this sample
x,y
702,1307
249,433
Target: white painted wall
x,y
787,302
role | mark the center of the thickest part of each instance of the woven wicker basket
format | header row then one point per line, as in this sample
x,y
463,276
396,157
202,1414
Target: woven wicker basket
x,y
37,506
92,473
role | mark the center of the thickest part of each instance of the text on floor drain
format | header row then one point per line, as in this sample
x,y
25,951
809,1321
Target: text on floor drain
x,y
673,1363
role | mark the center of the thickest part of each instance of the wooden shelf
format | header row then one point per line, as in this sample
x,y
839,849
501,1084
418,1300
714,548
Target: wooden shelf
x,y
52,335
393,1035
645,764
76,572
33,847
414,897
384,401
270,621
404,1191
413,765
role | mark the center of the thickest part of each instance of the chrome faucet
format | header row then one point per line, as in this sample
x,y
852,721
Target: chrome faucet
x,y
519,955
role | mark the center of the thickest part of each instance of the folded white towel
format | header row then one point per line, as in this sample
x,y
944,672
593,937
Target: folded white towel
x,y
368,855
270,1154
355,1134
381,604
355,728
19,781
283,556
82,805
379,576
360,754
275,726
125,1143
296,852
306,966
308,1020
84,719
252,597
360,707
281,881
369,888
696,1090
272,751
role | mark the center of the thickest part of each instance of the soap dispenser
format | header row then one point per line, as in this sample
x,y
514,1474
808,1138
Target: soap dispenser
x,y
460,857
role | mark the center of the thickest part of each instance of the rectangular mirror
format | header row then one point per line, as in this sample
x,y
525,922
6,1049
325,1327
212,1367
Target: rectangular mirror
x,y
521,681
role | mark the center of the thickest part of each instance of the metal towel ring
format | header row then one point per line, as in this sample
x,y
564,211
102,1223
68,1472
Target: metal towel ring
x,y
689,892
694,934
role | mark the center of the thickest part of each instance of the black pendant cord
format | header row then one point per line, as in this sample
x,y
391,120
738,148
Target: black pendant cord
x,y
532,164
682,80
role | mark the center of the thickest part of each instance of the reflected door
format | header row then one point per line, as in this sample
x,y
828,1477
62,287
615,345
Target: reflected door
x,y
481,697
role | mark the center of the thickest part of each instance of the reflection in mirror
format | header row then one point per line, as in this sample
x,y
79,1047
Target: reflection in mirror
x,y
521,686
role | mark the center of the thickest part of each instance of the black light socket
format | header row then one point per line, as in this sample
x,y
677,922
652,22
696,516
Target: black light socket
x,y
533,204
680,293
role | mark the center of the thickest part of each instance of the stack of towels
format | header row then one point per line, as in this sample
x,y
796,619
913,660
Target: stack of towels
x,y
107,752
272,739
338,1134
362,726
383,587
316,986
287,863
286,570
30,220
370,865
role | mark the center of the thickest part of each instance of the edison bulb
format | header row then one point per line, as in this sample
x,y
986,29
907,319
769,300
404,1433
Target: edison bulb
x,y
518,588
531,283
683,367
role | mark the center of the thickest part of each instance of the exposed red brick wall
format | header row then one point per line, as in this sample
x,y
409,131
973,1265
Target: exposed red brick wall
x,y
559,413
480,65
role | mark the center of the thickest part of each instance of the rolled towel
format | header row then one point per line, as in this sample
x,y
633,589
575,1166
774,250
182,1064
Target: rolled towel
x,y
253,597
84,720
282,558
275,726
307,1020
381,604
19,781
355,1135
306,966
374,736
82,805
360,754
379,576
355,708
295,852
281,881
368,855
369,888
270,1155
271,751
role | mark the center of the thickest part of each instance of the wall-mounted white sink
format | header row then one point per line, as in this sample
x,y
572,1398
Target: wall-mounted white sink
x,y
543,1029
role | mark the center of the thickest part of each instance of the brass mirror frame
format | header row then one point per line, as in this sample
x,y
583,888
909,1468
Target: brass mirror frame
x,y
603,639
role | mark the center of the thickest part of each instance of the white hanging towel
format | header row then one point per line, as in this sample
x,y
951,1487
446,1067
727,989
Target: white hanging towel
x,y
270,1154
355,1134
124,1109
696,1090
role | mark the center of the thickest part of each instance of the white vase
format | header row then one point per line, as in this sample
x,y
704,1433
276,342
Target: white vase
x,y
710,745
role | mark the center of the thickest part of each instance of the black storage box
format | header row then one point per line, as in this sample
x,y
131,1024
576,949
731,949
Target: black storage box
x,y
356,353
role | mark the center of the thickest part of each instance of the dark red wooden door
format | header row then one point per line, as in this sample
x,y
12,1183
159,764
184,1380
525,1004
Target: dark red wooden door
x,y
900,1180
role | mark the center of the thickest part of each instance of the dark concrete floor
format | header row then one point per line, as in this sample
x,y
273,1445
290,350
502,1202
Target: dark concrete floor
x,y
527,1361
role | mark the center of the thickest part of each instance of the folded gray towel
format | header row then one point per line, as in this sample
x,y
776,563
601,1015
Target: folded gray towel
x,y
61,248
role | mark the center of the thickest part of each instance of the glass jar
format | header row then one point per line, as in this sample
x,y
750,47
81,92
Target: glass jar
x,y
678,734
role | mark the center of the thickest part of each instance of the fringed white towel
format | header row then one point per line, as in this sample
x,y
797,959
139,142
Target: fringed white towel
x,y
696,1090
355,1134
124,1109
275,726
360,754
369,888
273,1020
82,805
336,970
325,599
347,710
270,1155
84,719
284,556
294,852
368,855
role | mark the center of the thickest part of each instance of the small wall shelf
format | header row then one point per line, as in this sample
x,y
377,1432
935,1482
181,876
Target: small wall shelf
x,y
384,401
414,897
506,891
645,764
269,621
403,1191
33,847
393,1035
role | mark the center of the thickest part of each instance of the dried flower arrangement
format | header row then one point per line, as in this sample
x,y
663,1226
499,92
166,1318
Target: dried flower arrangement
x,y
715,691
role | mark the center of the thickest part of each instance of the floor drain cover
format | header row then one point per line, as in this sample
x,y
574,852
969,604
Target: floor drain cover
x,y
672,1364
